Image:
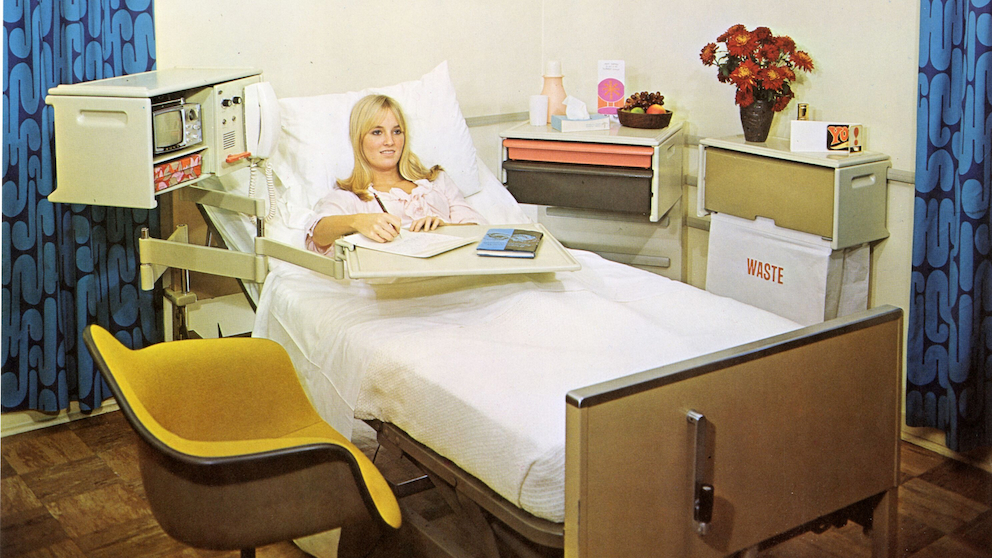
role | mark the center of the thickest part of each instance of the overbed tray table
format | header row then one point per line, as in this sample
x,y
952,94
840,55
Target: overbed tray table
x,y
362,263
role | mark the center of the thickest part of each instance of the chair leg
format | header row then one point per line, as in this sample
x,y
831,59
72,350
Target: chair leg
x,y
247,553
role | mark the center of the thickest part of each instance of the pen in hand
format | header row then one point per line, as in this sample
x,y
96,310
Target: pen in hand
x,y
382,206
377,200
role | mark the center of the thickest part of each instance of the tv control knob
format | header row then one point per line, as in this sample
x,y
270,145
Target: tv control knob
x,y
191,115
226,103
237,100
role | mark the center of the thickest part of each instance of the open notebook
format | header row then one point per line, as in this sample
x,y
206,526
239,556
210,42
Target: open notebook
x,y
414,244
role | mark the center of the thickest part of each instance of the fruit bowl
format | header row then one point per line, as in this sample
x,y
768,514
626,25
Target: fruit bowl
x,y
644,120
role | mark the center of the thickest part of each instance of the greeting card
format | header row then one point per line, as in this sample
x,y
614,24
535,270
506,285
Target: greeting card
x,y
611,86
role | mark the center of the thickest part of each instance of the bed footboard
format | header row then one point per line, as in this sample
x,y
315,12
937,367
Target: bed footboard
x,y
785,431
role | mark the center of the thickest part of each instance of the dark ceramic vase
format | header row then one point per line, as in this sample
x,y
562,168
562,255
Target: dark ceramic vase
x,y
756,119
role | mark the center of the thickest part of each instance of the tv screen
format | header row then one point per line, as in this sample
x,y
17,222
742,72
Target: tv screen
x,y
168,128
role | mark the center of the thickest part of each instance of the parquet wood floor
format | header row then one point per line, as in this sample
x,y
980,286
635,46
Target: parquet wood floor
x,y
74,491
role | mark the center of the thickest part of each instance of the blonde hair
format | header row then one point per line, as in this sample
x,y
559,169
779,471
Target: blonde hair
x,y
365,116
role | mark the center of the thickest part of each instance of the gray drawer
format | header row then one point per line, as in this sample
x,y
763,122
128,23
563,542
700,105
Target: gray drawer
x,y
616,189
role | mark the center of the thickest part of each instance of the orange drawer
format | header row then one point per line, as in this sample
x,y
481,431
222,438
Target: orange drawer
x,y
635,156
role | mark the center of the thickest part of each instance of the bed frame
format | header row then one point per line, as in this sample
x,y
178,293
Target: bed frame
x,y
712,456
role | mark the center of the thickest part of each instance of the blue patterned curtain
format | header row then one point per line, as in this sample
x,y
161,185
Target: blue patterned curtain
x,y
950,338
65,266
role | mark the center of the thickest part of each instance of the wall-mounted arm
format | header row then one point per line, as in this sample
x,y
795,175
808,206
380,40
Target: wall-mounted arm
x,y
157,255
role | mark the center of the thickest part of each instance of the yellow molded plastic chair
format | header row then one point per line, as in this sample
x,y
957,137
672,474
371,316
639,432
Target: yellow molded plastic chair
x,y
232,453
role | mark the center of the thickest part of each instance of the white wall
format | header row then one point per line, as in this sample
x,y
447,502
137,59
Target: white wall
x,y
865,54
308,47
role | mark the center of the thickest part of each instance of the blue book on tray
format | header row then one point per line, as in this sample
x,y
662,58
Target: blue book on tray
x,y
509,243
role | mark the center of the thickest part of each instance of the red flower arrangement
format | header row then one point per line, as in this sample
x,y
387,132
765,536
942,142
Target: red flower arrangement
x,y
760,64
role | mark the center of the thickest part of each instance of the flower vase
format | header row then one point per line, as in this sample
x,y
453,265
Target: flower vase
x,y
756,119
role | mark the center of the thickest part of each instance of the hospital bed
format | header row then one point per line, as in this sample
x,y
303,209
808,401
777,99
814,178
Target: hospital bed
x,y
602,412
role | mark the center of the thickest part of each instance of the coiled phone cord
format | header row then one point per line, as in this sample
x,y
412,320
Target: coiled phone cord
x,y
270,187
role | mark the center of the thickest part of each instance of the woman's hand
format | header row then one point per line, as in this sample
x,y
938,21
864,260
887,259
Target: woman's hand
x,y
428,223
380,227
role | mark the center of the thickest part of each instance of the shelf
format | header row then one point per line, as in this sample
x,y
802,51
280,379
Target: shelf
x,y
153,83
778,148
178,154
616,134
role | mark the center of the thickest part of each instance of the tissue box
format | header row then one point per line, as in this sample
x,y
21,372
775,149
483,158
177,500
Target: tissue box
x,y
821,137
594,122
177,171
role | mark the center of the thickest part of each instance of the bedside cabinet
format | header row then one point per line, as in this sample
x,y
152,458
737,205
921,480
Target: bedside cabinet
x,y
838,196
809,257
615,192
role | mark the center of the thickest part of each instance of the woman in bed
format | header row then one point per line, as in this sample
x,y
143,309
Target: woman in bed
x,y
390,188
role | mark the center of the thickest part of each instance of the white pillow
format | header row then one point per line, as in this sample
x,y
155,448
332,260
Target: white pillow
x,y
314,149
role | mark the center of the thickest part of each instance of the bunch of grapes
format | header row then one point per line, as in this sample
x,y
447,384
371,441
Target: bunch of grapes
x,y
643,100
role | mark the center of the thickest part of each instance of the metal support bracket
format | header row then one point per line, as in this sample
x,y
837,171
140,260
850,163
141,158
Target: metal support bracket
x,y
156,256
333,267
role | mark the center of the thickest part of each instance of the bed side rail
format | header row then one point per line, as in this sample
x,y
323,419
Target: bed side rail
x,y
797,426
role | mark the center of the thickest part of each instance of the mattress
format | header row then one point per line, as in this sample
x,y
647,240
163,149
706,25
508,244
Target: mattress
x,y
477,368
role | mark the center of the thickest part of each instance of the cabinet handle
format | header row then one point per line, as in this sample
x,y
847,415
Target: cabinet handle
x,y
863,181
702,491
97,118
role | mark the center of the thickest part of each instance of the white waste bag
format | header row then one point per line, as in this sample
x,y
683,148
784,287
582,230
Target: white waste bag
x,y
793,274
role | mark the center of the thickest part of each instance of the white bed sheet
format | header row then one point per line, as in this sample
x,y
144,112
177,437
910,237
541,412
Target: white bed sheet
x,y
478,368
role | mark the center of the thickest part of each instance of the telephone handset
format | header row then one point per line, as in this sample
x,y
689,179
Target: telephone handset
x,y
263,123
262,119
